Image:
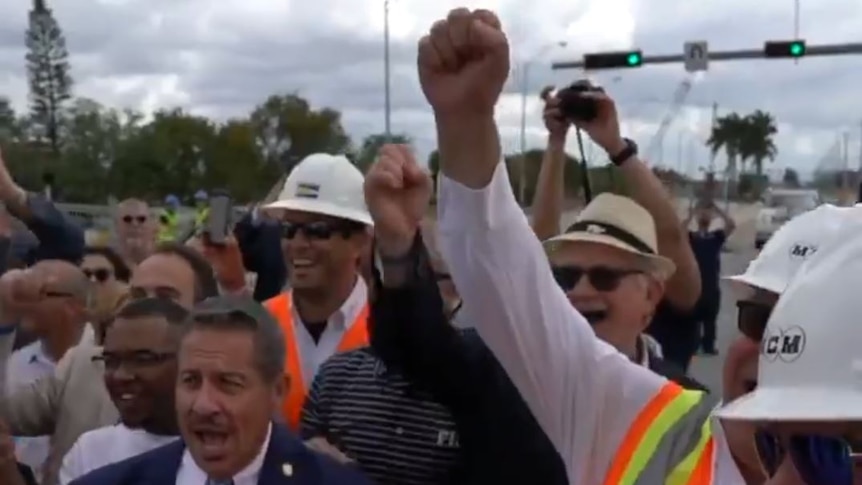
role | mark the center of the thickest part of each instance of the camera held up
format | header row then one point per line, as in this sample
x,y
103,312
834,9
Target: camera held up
x,y
574,105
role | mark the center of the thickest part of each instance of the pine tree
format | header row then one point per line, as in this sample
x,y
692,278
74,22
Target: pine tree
x,y
48,72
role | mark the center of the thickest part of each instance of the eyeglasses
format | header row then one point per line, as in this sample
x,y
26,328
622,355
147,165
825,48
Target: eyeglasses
x,y
139,359
752,317
135,219
818,459
100,275
602,278
317,230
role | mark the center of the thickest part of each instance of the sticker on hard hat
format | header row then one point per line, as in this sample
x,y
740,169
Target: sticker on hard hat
x,y
307,191
784,344
802,251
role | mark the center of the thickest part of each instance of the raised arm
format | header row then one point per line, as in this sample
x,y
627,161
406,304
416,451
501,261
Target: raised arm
x,y
582,392
411,330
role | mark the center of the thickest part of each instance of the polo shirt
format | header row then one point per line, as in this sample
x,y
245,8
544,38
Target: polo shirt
x,y
396,432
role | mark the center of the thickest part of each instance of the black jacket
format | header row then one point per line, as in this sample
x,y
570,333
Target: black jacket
x,y
673,373
501,441
260,244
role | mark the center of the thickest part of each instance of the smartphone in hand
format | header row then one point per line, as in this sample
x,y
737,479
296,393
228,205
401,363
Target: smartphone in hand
x,y
218,222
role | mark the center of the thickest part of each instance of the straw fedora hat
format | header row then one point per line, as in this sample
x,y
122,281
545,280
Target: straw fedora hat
x,y
618,222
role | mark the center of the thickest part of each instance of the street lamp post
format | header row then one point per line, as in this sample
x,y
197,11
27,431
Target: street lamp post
x,y
386,71
525,88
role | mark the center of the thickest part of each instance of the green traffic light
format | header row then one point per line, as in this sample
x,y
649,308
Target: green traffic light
x,y
797,49
634,59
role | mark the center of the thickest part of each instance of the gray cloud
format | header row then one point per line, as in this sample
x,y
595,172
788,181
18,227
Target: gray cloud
x,y
222,58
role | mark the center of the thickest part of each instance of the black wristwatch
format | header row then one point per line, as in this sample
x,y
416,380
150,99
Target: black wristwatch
x,y
630,150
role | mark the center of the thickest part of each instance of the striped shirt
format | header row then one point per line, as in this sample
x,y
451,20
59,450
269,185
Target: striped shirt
x,y
394,431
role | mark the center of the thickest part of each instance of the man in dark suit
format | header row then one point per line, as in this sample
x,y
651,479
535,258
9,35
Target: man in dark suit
x,y
230,384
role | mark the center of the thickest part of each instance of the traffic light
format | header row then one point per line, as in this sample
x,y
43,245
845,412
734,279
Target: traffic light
x,y
784,48
610,60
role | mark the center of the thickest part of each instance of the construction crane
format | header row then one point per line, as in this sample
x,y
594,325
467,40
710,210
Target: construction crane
x,y
679,97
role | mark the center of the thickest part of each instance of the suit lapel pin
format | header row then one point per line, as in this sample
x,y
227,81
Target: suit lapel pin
x,y
287,469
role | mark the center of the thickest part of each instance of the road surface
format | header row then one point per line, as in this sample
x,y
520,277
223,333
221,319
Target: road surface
x,y
705,368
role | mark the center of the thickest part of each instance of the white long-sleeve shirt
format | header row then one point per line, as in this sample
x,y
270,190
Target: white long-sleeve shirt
x,y
584,394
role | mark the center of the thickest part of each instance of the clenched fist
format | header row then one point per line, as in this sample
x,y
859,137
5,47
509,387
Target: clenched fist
x,y
21,290
397,193
464,62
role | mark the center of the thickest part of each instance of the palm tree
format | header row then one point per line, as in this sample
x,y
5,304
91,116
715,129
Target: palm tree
x,y
757,140
726,134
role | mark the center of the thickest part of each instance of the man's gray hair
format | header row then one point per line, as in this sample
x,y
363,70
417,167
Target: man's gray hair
x,y
238,313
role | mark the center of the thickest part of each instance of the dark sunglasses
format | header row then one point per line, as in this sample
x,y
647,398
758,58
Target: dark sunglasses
x,y
751,318
819,459
100,275
134,219
317,230
602,278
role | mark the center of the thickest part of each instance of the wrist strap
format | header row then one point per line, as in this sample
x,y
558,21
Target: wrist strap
x,y
629,151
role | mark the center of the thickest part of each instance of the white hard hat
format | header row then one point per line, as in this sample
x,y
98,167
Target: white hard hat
x,y
325,184
790,246
810,366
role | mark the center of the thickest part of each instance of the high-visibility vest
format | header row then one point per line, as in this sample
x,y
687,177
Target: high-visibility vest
x,y
356,336
656,419
169,223
201,217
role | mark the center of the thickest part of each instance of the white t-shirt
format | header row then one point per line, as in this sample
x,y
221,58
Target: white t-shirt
x,y
104,446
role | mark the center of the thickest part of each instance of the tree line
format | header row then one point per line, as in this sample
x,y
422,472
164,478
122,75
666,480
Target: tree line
x,y
88,151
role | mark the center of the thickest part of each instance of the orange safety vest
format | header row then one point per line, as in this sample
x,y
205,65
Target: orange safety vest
x,y
661,413
356,336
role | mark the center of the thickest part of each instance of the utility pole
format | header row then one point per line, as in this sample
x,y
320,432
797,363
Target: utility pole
x,y
525,91
796,24
386,71
522,143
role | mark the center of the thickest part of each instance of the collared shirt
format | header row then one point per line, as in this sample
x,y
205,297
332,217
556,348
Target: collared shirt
x,y
396,432
26,365
313,355
191,474
583,392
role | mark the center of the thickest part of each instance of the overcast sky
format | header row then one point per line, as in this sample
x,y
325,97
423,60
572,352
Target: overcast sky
x,y
222,57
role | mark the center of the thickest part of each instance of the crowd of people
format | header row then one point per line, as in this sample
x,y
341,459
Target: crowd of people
x,y
369,350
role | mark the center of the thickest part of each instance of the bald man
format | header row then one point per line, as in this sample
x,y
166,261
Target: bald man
x,y
71,398
136,229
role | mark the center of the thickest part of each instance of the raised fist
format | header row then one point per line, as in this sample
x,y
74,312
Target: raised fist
x,y
464,62
21,290
397,192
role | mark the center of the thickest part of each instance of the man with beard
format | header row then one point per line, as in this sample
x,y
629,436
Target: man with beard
x,y
139,355
324,229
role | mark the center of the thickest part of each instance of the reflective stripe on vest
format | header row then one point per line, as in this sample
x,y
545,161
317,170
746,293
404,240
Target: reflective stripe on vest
x,y
356,336
671,406
697,467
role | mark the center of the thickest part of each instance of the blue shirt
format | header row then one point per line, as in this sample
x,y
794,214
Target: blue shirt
x,y
707,250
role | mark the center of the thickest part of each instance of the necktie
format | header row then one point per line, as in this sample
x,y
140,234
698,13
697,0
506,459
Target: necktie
x,y
211,481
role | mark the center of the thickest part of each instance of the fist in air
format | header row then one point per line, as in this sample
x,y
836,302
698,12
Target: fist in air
x,y
397,193
464,62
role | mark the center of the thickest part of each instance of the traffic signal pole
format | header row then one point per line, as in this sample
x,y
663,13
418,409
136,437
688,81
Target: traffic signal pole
x,y
811,50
